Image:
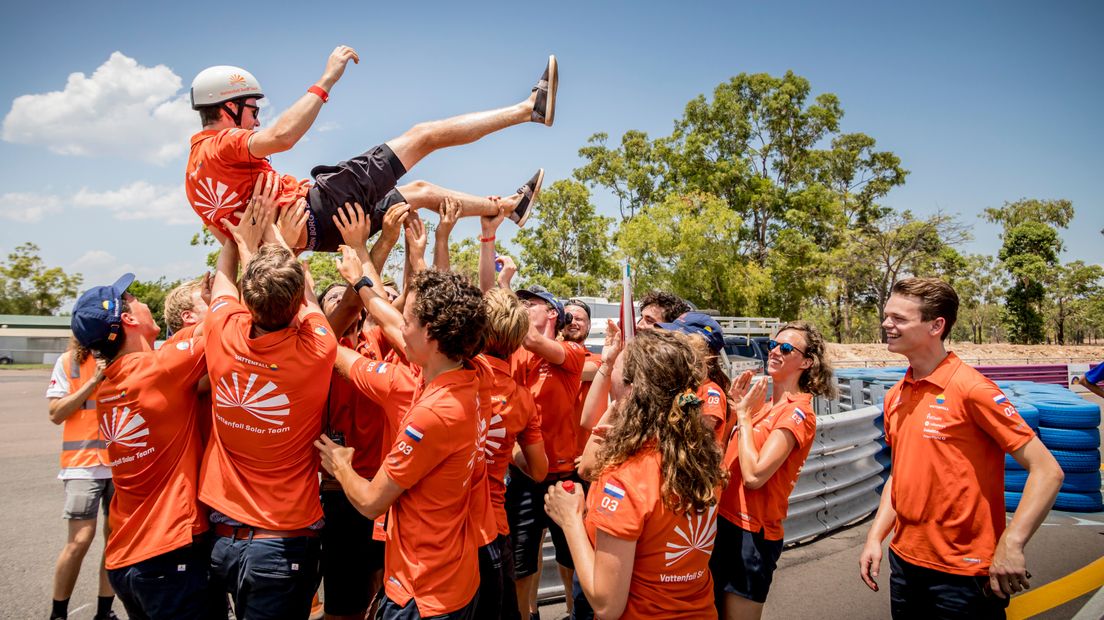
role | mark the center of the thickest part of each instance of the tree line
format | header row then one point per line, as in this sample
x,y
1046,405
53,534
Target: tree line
x,y
756,204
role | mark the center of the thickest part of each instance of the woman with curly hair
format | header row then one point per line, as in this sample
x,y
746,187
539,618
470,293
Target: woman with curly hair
x,y
764,456
643,549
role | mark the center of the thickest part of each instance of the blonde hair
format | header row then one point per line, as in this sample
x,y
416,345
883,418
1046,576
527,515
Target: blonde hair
x,y
662,410
819,378
507,323
179,301
272,286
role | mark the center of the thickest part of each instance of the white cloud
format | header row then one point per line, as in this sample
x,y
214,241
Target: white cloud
x,y
140,200
124,109
101,267
27,207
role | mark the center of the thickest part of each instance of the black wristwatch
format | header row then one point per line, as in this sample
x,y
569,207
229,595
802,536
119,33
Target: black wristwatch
x,y
361,283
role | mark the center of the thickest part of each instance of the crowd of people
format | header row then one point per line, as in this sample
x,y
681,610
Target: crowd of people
x,y
407,443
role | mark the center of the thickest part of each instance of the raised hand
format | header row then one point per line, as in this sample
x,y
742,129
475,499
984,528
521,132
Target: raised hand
x,y
416,236
490,223
393,221
291,223
355,227
349,265
450,213
509,268
335,65
611,348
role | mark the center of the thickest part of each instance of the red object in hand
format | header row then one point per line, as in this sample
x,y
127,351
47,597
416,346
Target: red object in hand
x,y
569,486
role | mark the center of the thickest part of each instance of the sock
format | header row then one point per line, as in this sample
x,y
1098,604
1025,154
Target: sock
x,y
60,610
103,605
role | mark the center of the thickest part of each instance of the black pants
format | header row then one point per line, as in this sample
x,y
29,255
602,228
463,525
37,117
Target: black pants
x,y
919,593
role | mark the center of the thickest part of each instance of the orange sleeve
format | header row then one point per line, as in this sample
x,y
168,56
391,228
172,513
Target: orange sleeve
x,y
994,413
376,380
421,444
183,360
233,144
574,357
316,337
800,422
714,404
531,434
621,508
222,308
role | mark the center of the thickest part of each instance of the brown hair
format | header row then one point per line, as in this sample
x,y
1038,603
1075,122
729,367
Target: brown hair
x,y
452,310
210,114
818,379
178,301
673,306
937,300
272,287
662,410
507,322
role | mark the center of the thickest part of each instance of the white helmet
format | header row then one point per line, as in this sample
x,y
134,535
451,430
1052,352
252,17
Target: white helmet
x,y
215,85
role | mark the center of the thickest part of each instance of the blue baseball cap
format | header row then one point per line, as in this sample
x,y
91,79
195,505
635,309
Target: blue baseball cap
x,y
539,292
97,315
700,324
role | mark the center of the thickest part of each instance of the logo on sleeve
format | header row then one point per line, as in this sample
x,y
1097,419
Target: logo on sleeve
x,y
1000,399
798,415
219,305
414,432
940,399
321,331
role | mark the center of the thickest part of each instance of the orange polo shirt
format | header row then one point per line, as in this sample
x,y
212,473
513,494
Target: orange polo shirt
x,y
221,174
554,388
261,466
514,419
147,411
714,408
949,432
431,553
766,507
670,573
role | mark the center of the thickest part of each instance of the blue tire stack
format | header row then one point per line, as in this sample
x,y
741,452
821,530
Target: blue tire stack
x,y
1069,427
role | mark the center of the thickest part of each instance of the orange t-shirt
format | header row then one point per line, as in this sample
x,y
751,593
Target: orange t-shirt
x,y
261,466
221,174
584,389
670,574
766,507
514,419
431,553
949,432
714,407
203,399
147,411
554,389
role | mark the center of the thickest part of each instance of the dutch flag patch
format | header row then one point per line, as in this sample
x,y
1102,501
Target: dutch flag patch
x,y
613,491
1000,399
414,432
798,415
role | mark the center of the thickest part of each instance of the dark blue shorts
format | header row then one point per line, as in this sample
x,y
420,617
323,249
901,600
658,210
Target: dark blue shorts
x,y
349,556
267,578
742,563
368,179
525,513
170,585
497,598
390,610
919,592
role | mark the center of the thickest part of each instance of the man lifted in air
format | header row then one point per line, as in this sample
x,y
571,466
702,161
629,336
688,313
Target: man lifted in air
x,y
230,153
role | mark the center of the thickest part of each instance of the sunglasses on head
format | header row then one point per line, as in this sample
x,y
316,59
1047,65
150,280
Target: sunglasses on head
x,y
785,347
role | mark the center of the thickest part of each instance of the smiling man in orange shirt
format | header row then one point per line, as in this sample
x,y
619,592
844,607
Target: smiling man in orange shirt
x,y
949,428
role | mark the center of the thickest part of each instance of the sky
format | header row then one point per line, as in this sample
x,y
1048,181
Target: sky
x,y
984,102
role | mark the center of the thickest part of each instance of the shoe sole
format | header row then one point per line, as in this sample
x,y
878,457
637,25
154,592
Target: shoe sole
x,y
550,100
532,198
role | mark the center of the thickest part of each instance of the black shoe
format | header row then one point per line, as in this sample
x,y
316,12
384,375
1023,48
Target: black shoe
x,y
529,193
533,615
108,616
544,108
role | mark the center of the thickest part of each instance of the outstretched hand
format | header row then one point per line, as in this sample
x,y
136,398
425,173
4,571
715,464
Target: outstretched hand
x,y
291,223
611,348
450,213
490,223
509,268
349,265
335,65
355,227
416,236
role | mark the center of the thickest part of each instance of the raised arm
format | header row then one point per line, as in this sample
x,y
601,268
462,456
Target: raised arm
x,y
450,212
370,497
551,350
487,259
758,465
386,316
60,409
597,399
393,222
294,123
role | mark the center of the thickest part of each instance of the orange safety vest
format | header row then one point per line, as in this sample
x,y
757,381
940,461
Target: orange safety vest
x,y
81,445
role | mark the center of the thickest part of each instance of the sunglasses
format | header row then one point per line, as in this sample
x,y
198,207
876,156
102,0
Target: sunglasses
x,y
256,109
785,347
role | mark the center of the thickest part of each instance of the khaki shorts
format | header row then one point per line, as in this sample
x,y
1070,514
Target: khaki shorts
x,y
84,498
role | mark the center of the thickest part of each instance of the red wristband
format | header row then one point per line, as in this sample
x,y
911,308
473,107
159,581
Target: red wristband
x,y
487,239
321,92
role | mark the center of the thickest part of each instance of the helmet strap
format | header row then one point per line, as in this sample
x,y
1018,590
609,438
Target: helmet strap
x,y
235,116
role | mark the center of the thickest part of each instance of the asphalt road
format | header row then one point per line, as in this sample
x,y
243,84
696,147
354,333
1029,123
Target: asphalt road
x,y
815,580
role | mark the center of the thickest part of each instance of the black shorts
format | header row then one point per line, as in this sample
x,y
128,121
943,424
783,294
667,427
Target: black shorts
x,y
919,592
368,179
497,599
525,513
349,556
742,563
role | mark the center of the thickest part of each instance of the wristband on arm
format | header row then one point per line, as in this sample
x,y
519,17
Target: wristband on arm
x,y
321,92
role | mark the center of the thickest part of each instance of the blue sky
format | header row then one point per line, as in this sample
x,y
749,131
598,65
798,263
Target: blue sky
x,y
984,103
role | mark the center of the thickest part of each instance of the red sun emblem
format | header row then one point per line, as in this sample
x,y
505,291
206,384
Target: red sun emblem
x,y
236,79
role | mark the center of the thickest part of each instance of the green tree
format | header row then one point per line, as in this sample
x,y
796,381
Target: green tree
x,y
28,286
1029,252
567,246
980,283
1070,287
153,294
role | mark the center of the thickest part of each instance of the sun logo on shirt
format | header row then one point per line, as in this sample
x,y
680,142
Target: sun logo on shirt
x,y
124,429
696,534
262,403
496,434
213,197
942,398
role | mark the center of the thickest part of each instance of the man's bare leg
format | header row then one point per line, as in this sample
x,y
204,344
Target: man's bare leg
x,y
425,195
105,585
424,138
81,533
565,576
